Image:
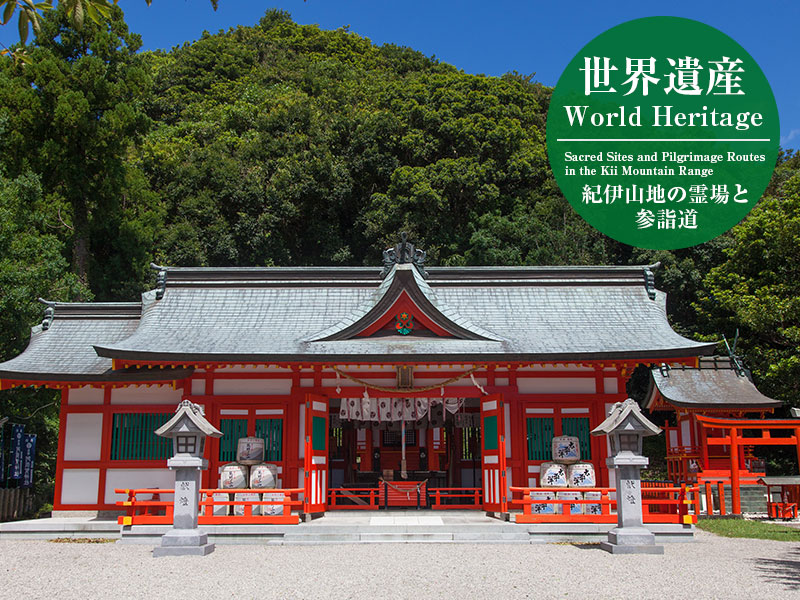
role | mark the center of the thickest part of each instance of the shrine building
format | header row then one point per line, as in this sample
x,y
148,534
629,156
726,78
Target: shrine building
x,y
458,377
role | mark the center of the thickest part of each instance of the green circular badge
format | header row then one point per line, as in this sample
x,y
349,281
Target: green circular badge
x,y
662,133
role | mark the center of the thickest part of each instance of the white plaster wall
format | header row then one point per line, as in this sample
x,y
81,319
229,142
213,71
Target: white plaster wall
x,y
142,394
301,433
79,486
686,439
610,385
507,417
252,387
83,435
556,385
136,478
85,395
198,387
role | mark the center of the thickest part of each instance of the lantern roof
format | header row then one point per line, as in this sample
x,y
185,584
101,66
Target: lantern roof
x,y
626,417
188,418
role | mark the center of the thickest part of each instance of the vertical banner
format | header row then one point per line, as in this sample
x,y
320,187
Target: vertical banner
x,y
29,452
17,432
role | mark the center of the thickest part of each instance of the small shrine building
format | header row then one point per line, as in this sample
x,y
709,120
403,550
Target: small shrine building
x,y
456,376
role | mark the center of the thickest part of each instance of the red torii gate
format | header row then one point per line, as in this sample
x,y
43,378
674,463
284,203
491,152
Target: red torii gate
x,y
733,438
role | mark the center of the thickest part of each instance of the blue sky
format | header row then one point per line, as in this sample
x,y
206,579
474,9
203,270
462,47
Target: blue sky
x,y
500,36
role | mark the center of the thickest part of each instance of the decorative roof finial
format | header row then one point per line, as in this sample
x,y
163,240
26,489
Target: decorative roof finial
x,y
49,313
402,254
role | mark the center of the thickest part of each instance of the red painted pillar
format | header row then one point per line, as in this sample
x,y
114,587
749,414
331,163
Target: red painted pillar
x,y
797,443
736,507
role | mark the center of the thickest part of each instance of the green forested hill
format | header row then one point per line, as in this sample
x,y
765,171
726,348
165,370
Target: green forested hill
x,y
282,144
285,144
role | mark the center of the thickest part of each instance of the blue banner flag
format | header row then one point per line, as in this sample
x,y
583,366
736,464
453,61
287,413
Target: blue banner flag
x,y
17,432
29,452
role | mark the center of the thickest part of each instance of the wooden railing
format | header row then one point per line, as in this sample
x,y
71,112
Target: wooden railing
x,y
675,504
443,498
353,498
156,510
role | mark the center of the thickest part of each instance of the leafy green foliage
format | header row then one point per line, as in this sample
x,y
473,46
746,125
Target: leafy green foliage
x,y
31,265
71,116
757,289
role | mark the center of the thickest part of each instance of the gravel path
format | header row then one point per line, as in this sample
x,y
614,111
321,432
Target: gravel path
x,y
711,567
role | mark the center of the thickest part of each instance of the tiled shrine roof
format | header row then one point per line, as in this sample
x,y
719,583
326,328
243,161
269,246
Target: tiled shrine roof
x,y
322,314
716,383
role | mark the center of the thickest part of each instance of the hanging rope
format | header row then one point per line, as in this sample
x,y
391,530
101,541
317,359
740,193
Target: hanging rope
x,y
380,388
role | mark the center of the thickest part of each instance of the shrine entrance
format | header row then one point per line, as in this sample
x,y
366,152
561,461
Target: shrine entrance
x,y
407,453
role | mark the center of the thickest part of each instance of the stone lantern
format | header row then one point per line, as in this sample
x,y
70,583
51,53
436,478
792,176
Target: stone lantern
x,y
188,429
626,427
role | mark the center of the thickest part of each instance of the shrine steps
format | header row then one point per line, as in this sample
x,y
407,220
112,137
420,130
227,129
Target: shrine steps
x,y
753,498
53,528
412,527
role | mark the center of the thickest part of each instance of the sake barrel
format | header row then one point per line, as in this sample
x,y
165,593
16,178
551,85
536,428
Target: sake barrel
x,y
233,475
581,475
249,450
566,449
592,509
272,509
553,475
238,509
221,510
574,509
263,476
544,508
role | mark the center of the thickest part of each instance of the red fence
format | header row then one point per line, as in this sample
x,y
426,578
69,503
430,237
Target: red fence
x,y
674,504
215,506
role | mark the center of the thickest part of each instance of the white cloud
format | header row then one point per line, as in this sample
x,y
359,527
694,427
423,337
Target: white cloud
x,y
794,134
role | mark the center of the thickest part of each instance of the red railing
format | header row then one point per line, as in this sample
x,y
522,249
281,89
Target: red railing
x,y
157,511
441,498
675,504
353,499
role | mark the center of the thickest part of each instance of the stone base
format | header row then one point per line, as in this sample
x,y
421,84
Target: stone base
x,y
183,550
637,549
184,542
631,540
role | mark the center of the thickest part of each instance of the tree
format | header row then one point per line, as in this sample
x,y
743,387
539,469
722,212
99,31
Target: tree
x,y
71,116
29,13
757,290
31,265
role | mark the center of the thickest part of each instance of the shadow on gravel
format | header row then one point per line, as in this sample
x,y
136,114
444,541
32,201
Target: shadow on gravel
x,y
785,572
587,546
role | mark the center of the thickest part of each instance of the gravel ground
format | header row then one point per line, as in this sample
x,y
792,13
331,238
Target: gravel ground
x,y
711,567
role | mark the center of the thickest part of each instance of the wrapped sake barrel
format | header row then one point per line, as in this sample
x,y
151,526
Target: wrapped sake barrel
x,y
272,509
249,450
581,475
544,508
263,476
238,509
223,509
553,475
233,475
566,449
592,509
574,509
